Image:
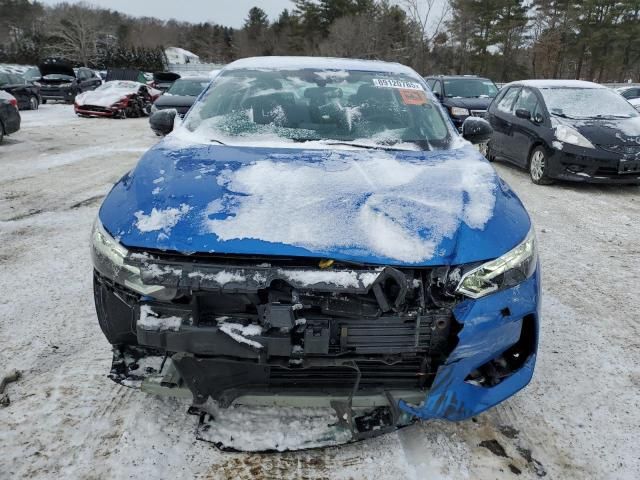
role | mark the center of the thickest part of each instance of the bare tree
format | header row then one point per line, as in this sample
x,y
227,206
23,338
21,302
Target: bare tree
x,y
76,32
428,17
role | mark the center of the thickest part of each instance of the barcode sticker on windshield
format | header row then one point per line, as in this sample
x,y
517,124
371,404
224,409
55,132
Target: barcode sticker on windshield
x,y
390,83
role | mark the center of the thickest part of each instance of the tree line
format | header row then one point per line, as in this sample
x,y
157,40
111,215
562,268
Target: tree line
x,y
595,40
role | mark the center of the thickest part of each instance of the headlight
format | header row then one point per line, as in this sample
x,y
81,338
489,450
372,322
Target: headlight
x,y
65,84
109,259
571,135
510,269
459,112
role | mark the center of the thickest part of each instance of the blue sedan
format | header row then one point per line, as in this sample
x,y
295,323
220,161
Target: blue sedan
x,y
316,232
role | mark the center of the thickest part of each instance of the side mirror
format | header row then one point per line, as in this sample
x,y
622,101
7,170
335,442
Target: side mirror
x,y
162,121
523,113
476,130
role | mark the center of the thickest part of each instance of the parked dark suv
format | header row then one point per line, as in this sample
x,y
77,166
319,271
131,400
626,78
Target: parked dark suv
x,y
567,130
26,93
463,95
61,82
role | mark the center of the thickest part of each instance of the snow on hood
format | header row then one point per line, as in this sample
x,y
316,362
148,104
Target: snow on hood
x,y
400,207
363,201
109,93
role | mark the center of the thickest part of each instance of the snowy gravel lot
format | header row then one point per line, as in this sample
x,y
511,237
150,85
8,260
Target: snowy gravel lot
x,y
579,419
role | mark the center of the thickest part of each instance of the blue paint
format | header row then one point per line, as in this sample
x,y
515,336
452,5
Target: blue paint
x,y
485,334
190,178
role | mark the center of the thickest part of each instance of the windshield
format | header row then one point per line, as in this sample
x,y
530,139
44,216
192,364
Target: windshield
x,y
369,109
469,88
32,74
189,88
587,103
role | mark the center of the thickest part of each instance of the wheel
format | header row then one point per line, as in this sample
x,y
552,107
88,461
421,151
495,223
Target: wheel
x,y
33,103
537,167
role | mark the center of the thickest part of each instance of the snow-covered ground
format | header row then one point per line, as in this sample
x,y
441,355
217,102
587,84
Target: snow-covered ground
x,y
579,419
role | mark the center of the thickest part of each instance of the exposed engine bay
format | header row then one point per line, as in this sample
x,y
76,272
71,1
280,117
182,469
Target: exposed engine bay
x,y
240,329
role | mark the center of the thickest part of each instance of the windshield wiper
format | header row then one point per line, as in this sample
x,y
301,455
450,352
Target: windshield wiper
x,y
563,115
364,145
214,140
610,116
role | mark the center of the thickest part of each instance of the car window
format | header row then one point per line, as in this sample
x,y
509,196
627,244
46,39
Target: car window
x,y
470,88
437,87
4,79
83,74
527,100
187,87
506,102
430,83
308,105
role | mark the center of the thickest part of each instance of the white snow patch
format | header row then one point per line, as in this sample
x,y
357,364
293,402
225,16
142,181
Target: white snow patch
x,y
313,277
369,201
239,332
149,320
222,277
160,219
249,428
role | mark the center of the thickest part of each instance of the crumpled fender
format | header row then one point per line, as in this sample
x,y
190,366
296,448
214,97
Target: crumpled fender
x,y
486,333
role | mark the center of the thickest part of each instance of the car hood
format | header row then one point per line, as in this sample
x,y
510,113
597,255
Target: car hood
x,y
103,98
619,131
56,67
168,101
481,103
365,206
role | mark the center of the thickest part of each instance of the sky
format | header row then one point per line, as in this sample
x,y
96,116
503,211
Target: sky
x,y
230,13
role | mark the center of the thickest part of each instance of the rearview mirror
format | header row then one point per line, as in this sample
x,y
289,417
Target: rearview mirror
x,y
162,121
523,113
476,130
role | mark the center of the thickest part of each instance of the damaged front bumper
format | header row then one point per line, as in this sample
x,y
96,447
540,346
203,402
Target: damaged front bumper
x,y
381,346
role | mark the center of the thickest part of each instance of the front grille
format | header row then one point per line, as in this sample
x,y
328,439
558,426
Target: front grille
x,y
94,108
409,373
478,113
622,149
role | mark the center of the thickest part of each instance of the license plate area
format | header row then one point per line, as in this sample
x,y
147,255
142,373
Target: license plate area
x,y
629,166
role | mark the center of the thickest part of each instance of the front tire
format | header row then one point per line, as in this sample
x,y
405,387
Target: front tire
x,y
538,163
33,103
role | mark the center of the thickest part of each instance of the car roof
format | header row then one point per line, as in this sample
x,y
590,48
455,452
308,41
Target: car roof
x,y
454,77
322,63
554,84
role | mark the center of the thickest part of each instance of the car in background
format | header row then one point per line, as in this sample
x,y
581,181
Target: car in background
x,y
629,92
9,115
163,80
60,81
463,95
181,95
566,130
316,229
32,74
118,99
26,93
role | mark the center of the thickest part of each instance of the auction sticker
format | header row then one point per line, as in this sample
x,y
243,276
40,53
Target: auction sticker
x,y
391,83
413,97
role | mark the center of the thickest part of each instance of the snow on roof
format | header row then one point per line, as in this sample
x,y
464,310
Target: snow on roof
x,y
322,63
558,84
182,51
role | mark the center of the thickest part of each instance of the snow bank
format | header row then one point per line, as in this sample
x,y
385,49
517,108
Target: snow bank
x,y
149,320
160,219
365,201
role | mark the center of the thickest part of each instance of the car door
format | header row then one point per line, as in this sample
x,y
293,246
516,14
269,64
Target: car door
x,y
501,117
18,88
87,79
525,130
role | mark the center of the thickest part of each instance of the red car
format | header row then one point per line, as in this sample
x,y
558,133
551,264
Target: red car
x,y
118,99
